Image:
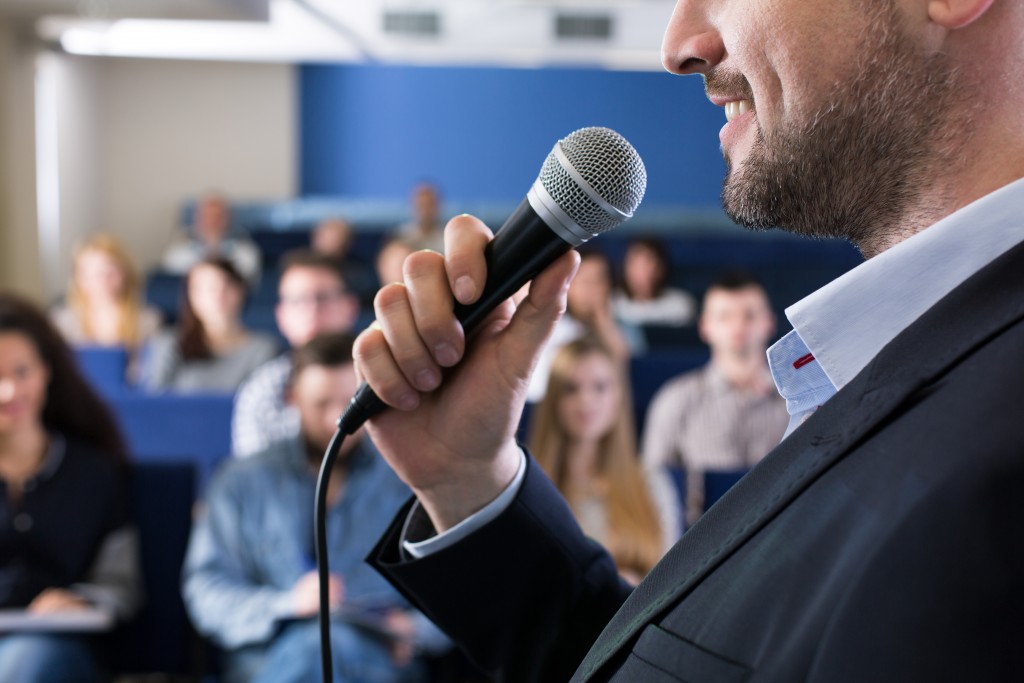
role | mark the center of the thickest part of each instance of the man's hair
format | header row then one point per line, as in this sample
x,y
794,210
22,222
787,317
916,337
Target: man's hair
x,y
307,258
736,280
328,350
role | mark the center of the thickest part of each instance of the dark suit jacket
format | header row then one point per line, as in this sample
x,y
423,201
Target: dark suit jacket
x,y
882,541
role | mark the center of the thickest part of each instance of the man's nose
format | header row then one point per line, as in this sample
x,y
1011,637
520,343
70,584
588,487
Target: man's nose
x,y
692,45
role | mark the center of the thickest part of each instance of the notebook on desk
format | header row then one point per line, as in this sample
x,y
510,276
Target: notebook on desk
x,y
87,620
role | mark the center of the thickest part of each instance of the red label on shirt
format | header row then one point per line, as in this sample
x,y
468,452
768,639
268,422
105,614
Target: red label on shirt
x,y
802,361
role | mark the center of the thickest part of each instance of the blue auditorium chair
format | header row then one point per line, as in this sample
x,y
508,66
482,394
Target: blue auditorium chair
x,y
103,366
160,640
196,427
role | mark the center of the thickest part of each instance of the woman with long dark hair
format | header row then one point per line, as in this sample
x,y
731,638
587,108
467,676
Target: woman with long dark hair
x,y
647,297
210,350
66,541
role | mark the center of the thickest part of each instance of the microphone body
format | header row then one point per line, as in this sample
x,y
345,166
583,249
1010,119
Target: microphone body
x,y
563,209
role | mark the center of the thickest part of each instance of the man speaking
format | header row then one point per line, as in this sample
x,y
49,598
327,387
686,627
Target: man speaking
x,y
881,540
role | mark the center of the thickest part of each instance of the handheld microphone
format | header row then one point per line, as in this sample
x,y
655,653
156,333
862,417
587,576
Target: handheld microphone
x,y
592,181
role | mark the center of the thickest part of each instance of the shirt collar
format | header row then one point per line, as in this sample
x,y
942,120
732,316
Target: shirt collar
x,y
847,322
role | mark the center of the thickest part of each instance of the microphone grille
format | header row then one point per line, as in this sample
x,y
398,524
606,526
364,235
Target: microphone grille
x,y
611,172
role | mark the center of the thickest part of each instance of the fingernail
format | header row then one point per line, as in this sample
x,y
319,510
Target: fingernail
x,y
427,380
445,354
408,401
464,289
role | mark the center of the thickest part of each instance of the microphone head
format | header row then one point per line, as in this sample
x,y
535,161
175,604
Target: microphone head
x,y
591,182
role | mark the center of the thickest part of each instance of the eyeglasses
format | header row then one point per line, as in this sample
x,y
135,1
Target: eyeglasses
x,y
312,300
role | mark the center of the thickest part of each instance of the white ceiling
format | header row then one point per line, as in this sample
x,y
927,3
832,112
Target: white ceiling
x,y
498,32
227,10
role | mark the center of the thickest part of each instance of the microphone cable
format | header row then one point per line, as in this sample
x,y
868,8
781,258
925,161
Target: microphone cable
x,y
345,428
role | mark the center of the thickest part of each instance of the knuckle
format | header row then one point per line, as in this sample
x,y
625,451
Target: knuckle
x,y
369,346
389,297
423,264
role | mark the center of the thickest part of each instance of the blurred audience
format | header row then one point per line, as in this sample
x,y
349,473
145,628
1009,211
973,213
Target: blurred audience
x,y
589,312
582,435
645,297
426,229
726,415
249,580
210,236
210,350
312,299
333,237
103,305
67,541
390,259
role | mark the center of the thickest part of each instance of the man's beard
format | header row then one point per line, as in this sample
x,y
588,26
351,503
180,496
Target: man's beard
x,y
855,167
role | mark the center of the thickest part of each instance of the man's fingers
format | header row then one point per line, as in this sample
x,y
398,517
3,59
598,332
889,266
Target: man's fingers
x,y
464,240
378,368
536,315
396,320
431,301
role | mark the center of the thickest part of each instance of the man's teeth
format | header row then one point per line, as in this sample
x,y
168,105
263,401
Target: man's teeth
x,y
737,108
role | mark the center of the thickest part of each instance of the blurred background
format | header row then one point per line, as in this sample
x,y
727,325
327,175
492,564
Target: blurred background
x,y
116,114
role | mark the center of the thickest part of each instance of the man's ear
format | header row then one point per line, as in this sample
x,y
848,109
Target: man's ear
x,y
954,14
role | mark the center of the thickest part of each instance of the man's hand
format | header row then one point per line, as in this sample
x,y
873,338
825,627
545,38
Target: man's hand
x,y
453,442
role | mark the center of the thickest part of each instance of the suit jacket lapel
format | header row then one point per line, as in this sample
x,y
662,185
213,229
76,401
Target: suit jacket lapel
x,y
979,309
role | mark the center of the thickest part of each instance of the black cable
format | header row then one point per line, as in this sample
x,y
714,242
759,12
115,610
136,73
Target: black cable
x,y
323,571
348,423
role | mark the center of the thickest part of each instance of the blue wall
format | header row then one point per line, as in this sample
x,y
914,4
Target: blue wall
x,y
482,133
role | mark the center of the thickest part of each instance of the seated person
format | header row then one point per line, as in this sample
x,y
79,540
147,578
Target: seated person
x,y
425,230
210,350
589,312
67,541
249,581
645,297
582,435
390,258
727,414
312,299
104,306
211,237
333,238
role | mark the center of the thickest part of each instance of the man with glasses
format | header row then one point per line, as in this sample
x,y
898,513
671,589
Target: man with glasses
x,y
312,298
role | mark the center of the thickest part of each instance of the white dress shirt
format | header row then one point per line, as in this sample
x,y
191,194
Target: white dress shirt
x,y
840,328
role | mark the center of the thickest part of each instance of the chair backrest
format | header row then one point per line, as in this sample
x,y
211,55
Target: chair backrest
x,y
160,639
103,366
195,426
163,292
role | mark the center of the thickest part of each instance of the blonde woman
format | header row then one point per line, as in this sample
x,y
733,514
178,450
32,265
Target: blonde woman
x,y
104,306
582,435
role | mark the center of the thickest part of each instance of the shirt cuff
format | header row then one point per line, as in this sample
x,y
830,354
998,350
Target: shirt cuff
x,y
418,525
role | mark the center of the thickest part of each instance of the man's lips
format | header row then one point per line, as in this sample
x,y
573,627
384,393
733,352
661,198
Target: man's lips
x,y
739,113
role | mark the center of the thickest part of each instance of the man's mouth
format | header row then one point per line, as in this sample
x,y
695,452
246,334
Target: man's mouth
x,y
737,108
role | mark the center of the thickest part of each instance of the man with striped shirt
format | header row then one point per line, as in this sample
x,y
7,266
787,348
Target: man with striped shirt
x,y
726,415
